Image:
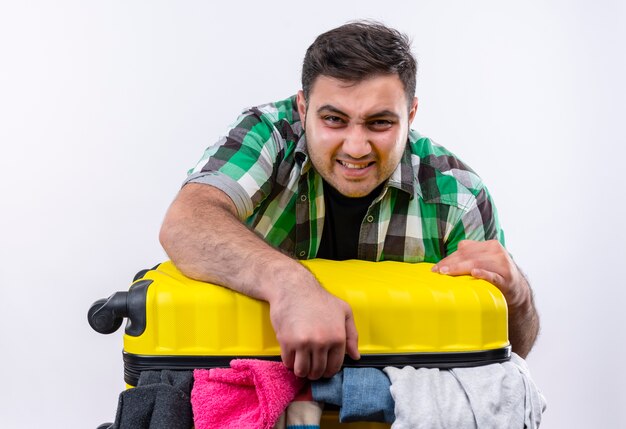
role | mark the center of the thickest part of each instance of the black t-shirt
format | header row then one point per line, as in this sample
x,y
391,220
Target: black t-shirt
x,y
342,223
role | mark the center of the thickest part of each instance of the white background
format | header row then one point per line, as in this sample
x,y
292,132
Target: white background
x,y
104,105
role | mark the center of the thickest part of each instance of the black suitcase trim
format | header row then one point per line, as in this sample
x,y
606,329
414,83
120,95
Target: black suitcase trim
x,y
134,364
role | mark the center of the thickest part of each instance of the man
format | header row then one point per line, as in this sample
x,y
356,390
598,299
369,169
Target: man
x,y
336,173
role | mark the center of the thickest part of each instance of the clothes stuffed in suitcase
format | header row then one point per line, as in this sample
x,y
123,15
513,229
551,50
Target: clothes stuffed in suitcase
x,y
404,313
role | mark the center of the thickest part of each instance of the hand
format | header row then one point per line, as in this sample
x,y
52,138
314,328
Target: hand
x,y
488,260
314,329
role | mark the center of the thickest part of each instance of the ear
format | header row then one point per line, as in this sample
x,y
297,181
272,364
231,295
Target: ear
x,y
301,106
413,110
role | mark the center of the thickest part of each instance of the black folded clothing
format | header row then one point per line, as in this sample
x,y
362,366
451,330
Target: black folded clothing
x,y
161,400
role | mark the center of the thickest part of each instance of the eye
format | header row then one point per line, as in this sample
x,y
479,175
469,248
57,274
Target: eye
x,y
380,124
333,121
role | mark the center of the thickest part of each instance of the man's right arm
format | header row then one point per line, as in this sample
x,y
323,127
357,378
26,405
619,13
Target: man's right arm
x,y
205,239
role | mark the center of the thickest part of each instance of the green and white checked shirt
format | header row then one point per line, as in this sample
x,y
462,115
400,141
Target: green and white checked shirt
x,y
430,203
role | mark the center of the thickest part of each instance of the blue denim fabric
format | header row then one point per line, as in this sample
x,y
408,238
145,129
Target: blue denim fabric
x,y
362,393
328,390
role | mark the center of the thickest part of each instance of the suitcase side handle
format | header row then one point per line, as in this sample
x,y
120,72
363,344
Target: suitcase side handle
x,y
107,314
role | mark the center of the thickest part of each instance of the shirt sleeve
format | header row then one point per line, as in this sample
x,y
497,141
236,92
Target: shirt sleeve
x,y
478,222
241,163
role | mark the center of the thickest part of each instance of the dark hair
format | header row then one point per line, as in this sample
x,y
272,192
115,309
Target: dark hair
x,y
357,51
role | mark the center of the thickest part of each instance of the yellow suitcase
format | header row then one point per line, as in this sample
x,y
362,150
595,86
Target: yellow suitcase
x,y
404,313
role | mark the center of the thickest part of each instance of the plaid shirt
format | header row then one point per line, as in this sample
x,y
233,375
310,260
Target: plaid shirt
x,y
430,203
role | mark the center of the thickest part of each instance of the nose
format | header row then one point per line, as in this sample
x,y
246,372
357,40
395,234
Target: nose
x,y
356,143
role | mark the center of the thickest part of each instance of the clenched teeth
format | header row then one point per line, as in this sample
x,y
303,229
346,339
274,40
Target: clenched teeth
x,y
356,166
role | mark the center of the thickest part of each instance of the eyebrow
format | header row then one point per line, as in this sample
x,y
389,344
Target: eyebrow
x,y
333,109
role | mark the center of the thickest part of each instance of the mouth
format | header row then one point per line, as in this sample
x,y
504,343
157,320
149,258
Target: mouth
x,y
352,166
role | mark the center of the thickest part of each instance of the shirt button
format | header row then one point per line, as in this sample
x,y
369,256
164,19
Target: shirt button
x,y
370,218
302,253
303,198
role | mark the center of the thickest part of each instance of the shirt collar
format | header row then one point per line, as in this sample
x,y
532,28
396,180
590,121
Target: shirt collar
x,y
403,177
302,155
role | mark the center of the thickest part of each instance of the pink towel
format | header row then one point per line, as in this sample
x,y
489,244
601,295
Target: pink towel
x,y
250,394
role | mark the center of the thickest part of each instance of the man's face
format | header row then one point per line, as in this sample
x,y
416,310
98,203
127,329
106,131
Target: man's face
x,y
356,132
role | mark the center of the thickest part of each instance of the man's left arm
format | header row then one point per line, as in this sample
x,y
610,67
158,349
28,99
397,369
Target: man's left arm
x,y
490,261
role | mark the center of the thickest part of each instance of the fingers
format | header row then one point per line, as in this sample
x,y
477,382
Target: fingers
x,y
454,267
515,292
488,261
315,362
322,358
470,255
302,363
288,357
352,337
314,337
335,361
493,278
319,363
